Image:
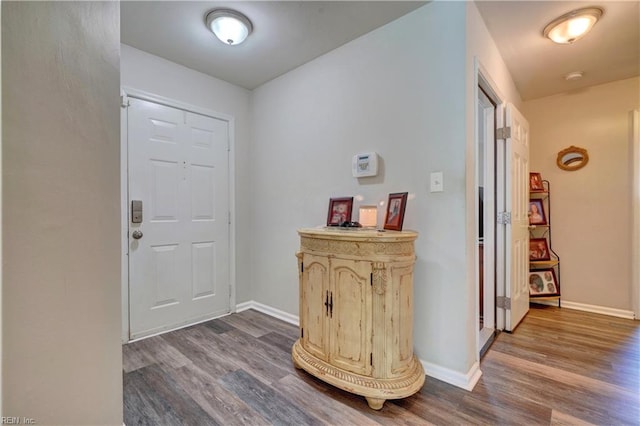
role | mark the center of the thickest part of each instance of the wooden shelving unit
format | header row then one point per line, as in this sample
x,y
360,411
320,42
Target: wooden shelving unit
x,y
544,274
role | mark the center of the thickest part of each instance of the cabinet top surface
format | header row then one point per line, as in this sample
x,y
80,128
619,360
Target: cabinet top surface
x,y
357,234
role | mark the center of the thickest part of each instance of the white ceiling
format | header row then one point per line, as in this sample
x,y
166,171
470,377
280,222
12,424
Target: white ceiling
x,y
288,34
611,51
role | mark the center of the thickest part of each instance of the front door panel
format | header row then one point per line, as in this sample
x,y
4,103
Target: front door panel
x,y
179,254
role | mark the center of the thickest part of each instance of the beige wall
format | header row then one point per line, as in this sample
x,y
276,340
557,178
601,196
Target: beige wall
x,y
1,326
62,360
590,207
398,91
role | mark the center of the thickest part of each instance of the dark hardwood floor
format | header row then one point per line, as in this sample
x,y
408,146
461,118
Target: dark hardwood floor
x,y
560,367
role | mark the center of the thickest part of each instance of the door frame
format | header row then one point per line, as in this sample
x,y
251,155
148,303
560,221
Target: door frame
x,y
634,140
485,160
482,78
129,92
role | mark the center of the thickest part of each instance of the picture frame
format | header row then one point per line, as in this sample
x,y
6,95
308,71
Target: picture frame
x,y
396,206
543,282
535,182
536,212
340,210
539,249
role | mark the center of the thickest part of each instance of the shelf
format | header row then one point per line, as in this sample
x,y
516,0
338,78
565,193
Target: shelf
x,y
538,194
543,299
541,264
532,227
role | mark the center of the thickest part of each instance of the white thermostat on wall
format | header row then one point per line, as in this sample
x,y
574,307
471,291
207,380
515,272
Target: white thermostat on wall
x,y
365,164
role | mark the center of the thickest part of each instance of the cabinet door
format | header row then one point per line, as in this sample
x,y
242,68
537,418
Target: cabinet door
x,y
314,316
350,345
401,333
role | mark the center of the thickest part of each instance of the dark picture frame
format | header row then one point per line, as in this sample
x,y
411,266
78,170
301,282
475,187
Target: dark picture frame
x,y
340,210
543,282
535,182
395,211
539,249
536,212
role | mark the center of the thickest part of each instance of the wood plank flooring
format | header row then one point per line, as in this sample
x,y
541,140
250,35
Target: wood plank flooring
x,y
560,367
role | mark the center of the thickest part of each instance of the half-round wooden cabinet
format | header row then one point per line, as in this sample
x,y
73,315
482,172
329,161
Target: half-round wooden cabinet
x,y
356,312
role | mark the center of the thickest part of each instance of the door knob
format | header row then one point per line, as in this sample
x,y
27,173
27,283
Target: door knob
x,y
137,234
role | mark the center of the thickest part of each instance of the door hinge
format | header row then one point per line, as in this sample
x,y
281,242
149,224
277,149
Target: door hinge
x,y
371,358
229,218
504,218
503,302
301,267
371,279
302,332
124,101
503,133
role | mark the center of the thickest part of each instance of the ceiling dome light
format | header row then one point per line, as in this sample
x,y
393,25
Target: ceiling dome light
x,y
573,25
229,26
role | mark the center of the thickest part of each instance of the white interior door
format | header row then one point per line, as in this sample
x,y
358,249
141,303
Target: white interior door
x,y
517,231
179,264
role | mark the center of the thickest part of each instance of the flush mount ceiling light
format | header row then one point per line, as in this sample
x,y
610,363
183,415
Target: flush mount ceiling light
x,y
229,26
572,26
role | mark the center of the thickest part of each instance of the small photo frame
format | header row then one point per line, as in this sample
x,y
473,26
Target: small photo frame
x,y
535,182
539,249
543,282
395,211
339,211
536,213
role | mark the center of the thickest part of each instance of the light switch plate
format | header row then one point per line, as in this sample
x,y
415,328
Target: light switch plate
x,y
437,183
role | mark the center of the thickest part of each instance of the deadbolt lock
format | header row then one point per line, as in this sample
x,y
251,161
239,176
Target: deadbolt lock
x,y
136,211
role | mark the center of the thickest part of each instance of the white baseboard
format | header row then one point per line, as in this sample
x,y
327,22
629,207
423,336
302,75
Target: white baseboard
x,y
603,310
595,309
465,381
455,378
244,306
620,313
265,309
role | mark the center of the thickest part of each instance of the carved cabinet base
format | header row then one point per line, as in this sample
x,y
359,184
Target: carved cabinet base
x,y
356,312
376,391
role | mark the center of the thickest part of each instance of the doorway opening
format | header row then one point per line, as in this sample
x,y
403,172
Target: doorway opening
x,y
486,211
502,170
177,205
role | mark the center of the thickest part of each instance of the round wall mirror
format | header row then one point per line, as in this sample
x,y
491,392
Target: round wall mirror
x,y
572,158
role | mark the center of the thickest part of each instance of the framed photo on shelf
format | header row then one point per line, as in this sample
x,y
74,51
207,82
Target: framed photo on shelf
x,y
339,211
535,182
395,211
536,213
543,282
539,249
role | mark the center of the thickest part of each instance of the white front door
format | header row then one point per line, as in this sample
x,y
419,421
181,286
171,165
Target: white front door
x,y
179,252
517,232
